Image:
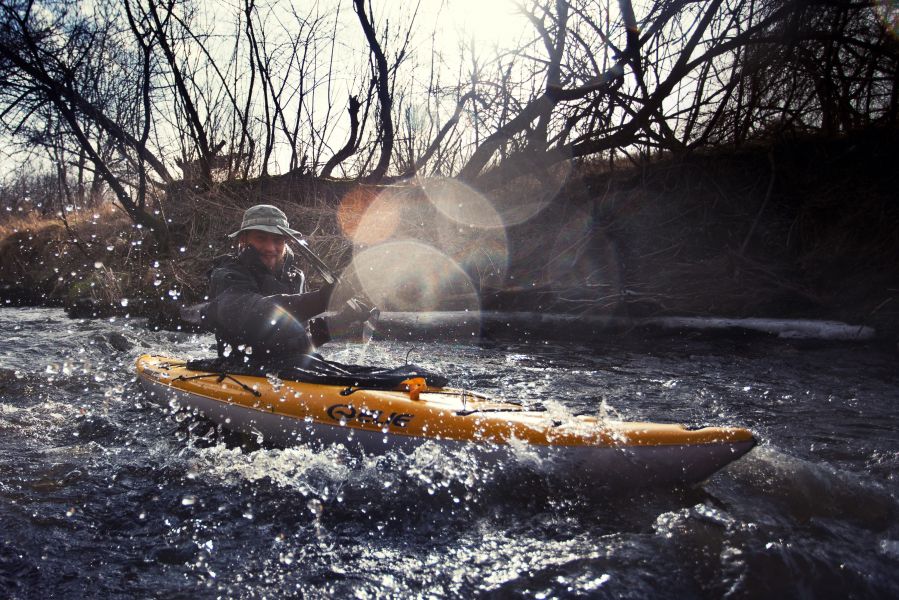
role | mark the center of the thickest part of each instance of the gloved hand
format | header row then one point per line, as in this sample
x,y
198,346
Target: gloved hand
x,y
326,289
356,307
347,323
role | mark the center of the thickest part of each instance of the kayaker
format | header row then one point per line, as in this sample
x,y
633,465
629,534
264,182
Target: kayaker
x,y
258,299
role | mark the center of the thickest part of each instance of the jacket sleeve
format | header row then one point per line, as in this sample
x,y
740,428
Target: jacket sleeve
x,y
304,306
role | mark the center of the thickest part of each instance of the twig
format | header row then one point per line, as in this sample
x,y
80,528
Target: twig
x,y
758,215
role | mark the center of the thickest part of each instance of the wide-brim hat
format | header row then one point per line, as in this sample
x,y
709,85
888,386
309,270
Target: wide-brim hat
x,y
264,217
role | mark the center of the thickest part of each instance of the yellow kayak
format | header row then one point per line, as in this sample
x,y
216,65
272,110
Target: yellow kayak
x,y
286,412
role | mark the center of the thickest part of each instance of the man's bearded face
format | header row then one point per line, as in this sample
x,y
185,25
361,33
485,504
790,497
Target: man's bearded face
x,y
271,247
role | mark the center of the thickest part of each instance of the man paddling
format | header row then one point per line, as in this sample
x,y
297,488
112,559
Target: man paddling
x,y
258,298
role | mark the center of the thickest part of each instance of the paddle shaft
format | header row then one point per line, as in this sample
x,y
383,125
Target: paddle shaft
x,y
323,269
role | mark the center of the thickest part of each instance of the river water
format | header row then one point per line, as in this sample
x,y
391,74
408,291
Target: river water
x,y
103,494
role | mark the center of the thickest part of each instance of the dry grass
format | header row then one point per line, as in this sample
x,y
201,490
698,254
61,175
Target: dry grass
x,y
32,222
86,255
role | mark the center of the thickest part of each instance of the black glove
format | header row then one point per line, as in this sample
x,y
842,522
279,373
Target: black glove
x,y
357,307
347,323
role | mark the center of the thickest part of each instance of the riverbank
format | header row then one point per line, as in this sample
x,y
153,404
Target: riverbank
x,y
796,229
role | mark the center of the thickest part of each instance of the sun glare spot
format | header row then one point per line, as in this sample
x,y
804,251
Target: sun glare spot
x,y
461,203
411,276
494,23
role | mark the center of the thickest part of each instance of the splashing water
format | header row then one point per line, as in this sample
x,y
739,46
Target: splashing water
x,y
105,494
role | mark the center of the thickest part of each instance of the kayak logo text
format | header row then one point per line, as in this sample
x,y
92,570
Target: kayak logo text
x,y
347,412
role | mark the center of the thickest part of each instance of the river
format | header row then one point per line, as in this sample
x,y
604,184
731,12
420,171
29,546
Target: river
x,y
103,494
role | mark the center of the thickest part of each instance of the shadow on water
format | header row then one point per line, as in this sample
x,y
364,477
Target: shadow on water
x,y
105,495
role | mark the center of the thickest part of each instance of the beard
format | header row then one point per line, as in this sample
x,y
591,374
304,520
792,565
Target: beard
x,y
273,261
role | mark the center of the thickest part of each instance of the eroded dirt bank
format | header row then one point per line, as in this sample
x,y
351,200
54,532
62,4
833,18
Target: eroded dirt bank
x,y
801,228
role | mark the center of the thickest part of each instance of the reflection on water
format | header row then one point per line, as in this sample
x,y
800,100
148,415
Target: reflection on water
x,y
103,494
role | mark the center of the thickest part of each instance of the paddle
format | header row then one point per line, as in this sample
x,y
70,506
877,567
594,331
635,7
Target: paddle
x,y
368,326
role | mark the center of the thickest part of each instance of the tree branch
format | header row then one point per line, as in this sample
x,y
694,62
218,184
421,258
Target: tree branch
x,y
350,146
384,98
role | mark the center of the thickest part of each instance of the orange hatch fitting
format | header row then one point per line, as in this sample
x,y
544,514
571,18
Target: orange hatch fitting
x,y
414,385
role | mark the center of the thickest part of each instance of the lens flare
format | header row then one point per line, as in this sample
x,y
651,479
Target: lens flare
x,y
583,258
411,214
460,203
575,262
367,216
525,186
279,328
602,272
411,276
279,318
482,253
351,208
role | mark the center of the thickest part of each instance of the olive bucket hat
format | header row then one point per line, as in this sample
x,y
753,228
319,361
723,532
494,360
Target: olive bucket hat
x,y
264,217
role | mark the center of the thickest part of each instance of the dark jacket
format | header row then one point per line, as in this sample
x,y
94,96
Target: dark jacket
x,y
252,306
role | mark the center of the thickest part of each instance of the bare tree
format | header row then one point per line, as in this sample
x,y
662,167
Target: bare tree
x,y
385,100
61,61
686,75
142,84
350,146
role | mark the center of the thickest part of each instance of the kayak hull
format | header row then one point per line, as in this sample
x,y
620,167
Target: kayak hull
x,y
612,453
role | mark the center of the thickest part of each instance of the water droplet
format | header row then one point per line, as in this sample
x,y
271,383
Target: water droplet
x,y
275,382
315,506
